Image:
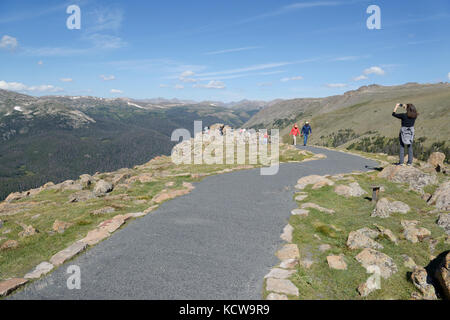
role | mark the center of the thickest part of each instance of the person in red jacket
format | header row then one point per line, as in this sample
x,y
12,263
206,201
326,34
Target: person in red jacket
x,y
295,132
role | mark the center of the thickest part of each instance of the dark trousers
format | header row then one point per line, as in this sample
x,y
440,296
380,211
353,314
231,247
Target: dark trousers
x,y
402,151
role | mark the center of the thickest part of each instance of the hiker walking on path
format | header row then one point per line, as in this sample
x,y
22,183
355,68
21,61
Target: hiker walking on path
x,y
306,131
295,132
406,135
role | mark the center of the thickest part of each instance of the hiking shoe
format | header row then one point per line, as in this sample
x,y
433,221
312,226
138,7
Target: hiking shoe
x,y
409,164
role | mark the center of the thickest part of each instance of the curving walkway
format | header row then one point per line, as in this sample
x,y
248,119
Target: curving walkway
x,y
217,242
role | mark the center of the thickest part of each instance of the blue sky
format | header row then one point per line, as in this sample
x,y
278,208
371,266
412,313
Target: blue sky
x,y
220,50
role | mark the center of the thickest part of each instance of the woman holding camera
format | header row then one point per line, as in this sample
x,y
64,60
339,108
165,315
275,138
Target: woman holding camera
x,y
406,135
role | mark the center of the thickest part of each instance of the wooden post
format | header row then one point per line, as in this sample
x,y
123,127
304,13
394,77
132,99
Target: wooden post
x,y
375,193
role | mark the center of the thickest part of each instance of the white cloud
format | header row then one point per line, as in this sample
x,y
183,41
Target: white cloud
x,y
179,86
211,85
105,41
116,91
336,85
40,62
359,78
187,73
291,78
185,76
44,88
106,19
107,78
66,79
17,86
231,50
163,85
448,76
265,84
8,42
374,70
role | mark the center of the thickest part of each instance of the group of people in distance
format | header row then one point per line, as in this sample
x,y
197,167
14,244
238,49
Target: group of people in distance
x,y
305,132
406,135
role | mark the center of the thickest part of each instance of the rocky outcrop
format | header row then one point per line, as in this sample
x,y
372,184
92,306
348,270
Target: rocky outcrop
x,y
9,285
282,286
441,197
9,244
352,190
288,251
416,179
310,205
66,254
384,208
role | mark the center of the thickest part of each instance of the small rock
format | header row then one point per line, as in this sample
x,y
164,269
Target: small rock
x,y
352,190
289,263
317,207
28,231
324,247
412,233
61,226
387,233
7,286
306,263
287,233
276,296
300,212
170,184
336,262
384,208
9,244
322,183
368,287
35,216
40,270
281,286
422,281
104,210
278,273
288,251
301,197
81,196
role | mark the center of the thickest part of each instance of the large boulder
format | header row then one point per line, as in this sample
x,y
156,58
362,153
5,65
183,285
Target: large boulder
x,y
352,190
370,257
416,178
102,187
384,208
423,282
444,222
442,274
359,239
441,197
436,159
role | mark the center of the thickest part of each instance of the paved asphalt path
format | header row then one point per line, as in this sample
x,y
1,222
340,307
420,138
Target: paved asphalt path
x,y
217,242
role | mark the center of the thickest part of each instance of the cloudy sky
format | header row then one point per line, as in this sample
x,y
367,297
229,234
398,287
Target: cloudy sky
x,y
220,50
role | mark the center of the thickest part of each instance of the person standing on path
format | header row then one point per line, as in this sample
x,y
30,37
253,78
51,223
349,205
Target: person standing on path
x,y
406,135
306,131
295,132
